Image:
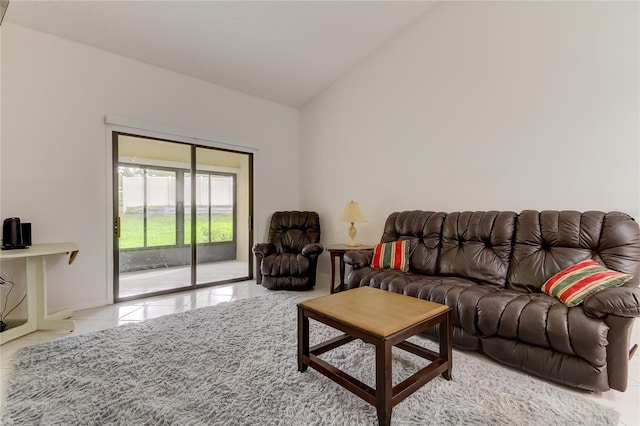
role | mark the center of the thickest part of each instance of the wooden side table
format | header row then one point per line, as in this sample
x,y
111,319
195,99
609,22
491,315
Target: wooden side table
x,y
338,250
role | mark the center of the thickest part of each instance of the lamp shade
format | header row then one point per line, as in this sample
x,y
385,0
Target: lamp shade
x,y
352,213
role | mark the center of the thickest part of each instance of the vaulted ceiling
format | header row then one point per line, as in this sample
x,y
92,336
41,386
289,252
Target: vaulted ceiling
x,y
283,51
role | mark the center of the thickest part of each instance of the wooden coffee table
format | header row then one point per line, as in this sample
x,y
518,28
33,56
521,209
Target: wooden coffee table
x,y
384,319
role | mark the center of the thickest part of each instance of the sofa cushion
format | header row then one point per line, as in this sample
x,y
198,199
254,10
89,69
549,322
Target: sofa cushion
x,y
549,241
384,279
460,294
393,255
575,283
285,264
543,321
477,246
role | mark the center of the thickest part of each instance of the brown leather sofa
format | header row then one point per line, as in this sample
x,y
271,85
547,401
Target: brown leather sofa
x,y
489,267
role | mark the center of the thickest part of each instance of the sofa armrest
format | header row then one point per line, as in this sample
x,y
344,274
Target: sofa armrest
x,y
620,301
358,258
312,249
264,249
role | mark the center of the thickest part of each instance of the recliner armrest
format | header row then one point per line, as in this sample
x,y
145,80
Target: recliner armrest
x,y
620,301
312,249
358,258
264,249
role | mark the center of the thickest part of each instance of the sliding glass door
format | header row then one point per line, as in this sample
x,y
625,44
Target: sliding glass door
x,y
161,188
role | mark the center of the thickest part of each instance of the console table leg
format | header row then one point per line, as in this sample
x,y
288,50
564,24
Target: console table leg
x,y
45,321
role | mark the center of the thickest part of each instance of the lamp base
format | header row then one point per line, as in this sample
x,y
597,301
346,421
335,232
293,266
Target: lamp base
x,y
352,234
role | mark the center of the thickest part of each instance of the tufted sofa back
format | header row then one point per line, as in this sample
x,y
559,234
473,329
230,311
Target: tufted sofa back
x,y
518,251
422,229
549,241
477,245
290,231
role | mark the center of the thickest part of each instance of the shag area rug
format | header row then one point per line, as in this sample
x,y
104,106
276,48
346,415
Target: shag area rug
x,y
235,364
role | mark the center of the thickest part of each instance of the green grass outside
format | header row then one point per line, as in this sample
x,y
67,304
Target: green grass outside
x,y
161,230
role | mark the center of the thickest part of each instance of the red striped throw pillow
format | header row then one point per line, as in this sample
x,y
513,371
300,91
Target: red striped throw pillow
x,y
575,283
394,255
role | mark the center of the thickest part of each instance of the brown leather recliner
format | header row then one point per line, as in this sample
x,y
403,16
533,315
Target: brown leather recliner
x,y
289,260
489,267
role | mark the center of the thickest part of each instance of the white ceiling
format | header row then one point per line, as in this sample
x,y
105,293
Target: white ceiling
x,y
283,51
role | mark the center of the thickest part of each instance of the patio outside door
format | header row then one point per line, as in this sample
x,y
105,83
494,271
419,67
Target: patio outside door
x,y
156,248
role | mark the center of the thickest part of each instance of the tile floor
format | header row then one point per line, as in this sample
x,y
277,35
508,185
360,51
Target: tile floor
x,y
147,281
627,403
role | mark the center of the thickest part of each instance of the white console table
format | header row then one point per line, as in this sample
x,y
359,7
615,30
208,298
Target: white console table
x,y
37,316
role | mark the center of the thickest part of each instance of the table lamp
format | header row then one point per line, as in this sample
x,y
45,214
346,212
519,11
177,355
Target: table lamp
x,y
352,214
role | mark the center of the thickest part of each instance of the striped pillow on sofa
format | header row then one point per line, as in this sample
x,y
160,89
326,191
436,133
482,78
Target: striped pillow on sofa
x,y
393,255
574,284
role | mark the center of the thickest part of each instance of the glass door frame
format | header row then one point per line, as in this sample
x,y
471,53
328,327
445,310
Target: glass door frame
x,y
193,213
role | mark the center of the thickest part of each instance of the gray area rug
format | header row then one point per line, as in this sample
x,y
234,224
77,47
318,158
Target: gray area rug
x,y
235,364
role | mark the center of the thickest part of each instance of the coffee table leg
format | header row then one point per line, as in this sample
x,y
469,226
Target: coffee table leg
x,y
384,389
303,339
446,344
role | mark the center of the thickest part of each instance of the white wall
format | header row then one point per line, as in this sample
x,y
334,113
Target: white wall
x,y
56,94
478,106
